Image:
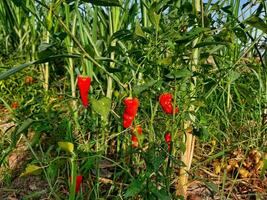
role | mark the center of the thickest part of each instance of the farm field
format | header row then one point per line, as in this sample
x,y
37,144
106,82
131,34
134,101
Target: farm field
x,y
133,99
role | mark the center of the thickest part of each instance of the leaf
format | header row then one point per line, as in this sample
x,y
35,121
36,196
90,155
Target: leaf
x,y
34,195
102,107
233,75
141,88
104,2
240,33
31,170
181,73
165,61
138,30
66,146
212,187
134,188
153,16
16,69
201,132
256,22
25,125
161,194
49,18
227,9
45,50
203,44
193,33
122,35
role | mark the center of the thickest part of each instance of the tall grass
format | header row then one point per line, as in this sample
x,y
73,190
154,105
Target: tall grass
x,y
203,52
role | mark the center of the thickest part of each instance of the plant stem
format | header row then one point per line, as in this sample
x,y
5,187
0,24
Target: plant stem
x,y
187,156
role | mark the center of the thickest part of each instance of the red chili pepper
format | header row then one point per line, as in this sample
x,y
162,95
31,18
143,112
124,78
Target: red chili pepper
x,y
84,83
131,107
134,141
14,105
78,183
137,129
127,120
28,79
168,139
165,101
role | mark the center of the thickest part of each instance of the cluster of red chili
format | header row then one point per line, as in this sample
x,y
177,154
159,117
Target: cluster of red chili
x,y
131,108
165,101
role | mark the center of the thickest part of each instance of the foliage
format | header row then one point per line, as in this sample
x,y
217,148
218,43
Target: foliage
x,y
211,57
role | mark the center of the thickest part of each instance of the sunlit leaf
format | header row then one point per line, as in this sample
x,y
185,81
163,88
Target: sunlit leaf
x,y
182,73
49,18
138,30
66,146
257,22
31,170
102,107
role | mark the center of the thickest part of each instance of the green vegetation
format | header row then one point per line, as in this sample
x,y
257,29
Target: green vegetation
x,y
208,57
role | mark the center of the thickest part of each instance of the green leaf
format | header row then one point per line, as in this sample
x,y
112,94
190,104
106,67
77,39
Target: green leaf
x,y
153,16
16,69
165,61
35,195
227,9
182,73
233,75
201,132
240,33
141,88
138,30
25,125
161,194
31,170
66,146
203,44
134,188
104,2
49,18
256,22
45,50
102,107
212,187
122,35
193,33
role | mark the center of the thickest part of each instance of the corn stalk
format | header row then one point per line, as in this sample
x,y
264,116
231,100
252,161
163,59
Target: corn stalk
x,y
187,156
